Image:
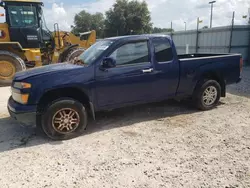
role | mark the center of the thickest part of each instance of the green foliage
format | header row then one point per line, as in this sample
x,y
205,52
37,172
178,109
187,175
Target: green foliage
x,y
124,18
128,17
162,30
85,21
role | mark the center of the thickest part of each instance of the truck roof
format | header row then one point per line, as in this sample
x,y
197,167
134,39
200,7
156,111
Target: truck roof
x,y
135,37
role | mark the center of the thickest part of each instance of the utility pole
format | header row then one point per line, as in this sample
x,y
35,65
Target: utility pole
x,y
249,16
198,23
171,29
231,33
185,26
212,6
197,35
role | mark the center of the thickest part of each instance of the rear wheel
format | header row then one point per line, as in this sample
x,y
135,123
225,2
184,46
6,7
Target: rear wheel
x,y
207,94
73,53
9,65
64,119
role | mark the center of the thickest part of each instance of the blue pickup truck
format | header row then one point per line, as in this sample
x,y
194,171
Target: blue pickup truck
x,y
114,73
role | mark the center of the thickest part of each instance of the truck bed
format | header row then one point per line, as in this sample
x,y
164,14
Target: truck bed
x,y
224,66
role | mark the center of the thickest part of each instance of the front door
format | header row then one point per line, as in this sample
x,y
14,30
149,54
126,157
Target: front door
x,y
130,81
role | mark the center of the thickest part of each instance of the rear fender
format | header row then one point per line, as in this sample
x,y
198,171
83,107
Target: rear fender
x,y
209,72
30,55
15,46
15,56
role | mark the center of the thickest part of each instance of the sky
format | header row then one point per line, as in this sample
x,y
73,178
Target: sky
x,y
162,12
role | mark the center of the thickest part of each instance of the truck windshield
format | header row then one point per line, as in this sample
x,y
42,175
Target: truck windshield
x,y
92,53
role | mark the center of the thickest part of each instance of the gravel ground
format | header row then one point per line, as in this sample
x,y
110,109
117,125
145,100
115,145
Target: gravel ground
x,y
160,145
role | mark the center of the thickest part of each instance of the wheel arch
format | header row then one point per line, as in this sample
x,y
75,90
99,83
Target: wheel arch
x,y
14,60
14,45
14,55
67,92
213,75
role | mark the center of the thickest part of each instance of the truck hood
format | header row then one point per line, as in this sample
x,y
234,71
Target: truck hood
x,y
45,70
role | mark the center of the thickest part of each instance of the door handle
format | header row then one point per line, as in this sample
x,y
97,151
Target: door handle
x,y
148,70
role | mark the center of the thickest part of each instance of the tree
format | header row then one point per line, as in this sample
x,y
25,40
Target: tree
x,y
85,21
128,17
162,30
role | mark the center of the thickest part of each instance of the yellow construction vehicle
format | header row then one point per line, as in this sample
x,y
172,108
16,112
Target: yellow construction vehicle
x,y
25,41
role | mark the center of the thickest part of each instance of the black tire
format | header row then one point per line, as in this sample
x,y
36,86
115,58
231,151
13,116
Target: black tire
x,y
17,63
199,94
73,53
49,115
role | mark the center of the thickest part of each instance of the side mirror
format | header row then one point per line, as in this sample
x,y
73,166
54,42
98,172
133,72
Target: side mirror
x,y
107,63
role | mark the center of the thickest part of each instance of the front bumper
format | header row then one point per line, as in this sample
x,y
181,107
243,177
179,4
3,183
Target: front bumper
x,y
25,114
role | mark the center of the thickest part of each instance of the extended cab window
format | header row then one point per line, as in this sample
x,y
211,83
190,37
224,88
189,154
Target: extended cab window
x,y
131,53
163,50
22,16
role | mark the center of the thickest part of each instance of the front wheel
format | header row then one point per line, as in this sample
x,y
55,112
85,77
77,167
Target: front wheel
x,y
207,94
64,119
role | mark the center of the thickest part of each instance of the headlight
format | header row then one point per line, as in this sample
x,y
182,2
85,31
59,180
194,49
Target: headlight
x,y
16,93
22,85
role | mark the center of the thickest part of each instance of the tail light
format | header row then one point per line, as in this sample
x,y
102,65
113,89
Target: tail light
x,y
241,64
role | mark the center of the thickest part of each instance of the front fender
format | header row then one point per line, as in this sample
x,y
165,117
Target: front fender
x,y
80,79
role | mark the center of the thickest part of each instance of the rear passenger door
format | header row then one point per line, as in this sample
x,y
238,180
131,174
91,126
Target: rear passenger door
x,y
166,68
